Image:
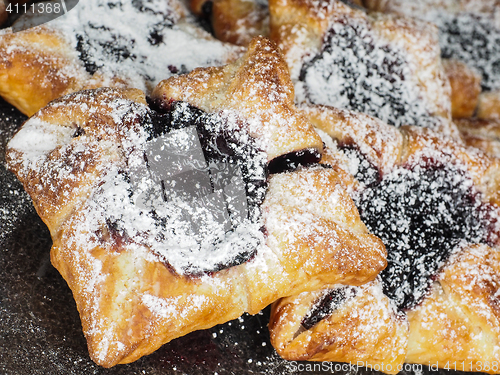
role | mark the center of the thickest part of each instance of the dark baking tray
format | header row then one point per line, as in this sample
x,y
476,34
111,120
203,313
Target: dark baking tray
x,y
40,331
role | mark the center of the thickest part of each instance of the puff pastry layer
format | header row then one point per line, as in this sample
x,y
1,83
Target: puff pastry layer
x,y
435,204
87,48
78,156
383,65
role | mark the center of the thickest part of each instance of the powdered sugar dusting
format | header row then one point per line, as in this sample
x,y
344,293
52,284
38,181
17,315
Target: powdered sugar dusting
x,y
358,68
166,308
37,139
475,40
137,42
468,31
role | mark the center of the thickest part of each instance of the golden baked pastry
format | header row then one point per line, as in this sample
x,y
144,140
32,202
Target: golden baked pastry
x,y
357,325
435,205
462,308
482,134
89,47
174,218
234,21
383,65
465,88
488,106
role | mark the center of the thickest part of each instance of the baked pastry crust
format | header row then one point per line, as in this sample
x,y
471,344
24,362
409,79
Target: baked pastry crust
x,y
480,133
258,83
45,62
468,31
387,147
463,308
365,329
465,88
489,105
322,41
130,301
456,320
234,21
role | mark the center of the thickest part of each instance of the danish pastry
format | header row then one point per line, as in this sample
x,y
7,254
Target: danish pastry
x,y
161,216
435,205
469,31
104,43
383,65
341,324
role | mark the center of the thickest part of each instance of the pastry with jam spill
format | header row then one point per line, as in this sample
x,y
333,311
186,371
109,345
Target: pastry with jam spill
x,y
435,205
101,43
383,65
469,32
186,210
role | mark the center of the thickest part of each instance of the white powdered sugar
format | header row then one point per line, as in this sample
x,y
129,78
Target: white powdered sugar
x,y
168,232
359,69
137,42
193,215
468,31
475,40
37,138
168,308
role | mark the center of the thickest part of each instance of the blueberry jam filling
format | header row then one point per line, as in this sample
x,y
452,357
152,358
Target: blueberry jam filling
x,y
292,161
191,192
201,180
381,88
327,304
472,39
421,214
220,143
359,166
116,47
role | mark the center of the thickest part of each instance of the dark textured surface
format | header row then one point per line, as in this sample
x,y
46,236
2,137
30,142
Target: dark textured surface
x,y
421,215
40,331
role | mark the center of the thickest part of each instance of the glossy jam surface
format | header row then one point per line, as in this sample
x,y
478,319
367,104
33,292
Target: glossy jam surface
x,y
327,304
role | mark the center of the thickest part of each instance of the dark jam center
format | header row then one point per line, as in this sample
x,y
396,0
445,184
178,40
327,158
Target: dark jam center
x,y
293,160
356,71
219,168
421,215
220,143
201,179
327,304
